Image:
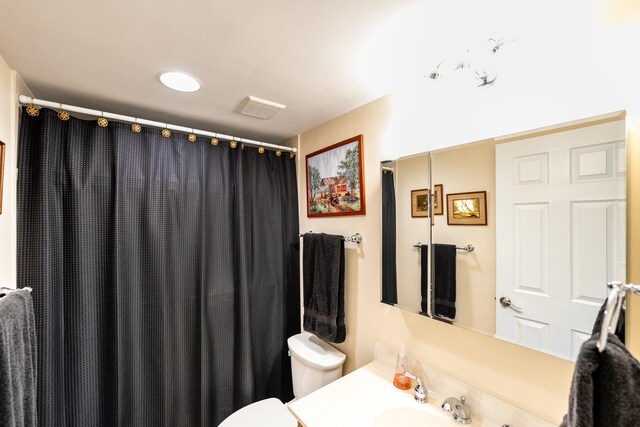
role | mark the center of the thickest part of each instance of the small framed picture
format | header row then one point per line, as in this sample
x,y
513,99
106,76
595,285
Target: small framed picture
x,y
438,208
420,203
467,208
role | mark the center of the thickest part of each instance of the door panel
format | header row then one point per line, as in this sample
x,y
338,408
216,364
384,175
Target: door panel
x,y
531,247
561,230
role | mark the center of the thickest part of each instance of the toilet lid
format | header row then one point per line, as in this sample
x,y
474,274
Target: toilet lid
x,y
315,352
264,413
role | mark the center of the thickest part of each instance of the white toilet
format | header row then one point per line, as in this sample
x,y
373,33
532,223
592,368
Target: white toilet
x,y
314,364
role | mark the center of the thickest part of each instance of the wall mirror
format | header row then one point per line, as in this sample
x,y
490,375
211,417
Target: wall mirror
x,y
523,233
406,232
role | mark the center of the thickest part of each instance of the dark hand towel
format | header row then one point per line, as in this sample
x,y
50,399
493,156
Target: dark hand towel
x,y
444,280
17,360
424,277
605,386
323,278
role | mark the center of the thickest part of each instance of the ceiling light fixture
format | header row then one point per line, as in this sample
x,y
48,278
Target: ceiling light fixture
x,y
180,81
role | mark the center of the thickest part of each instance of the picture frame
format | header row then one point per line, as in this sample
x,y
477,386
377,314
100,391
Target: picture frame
x,y
420,203
2,151
438,207
467,208
335,179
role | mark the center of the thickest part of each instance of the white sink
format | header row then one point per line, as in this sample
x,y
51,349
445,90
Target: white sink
x,y
398,416
368,399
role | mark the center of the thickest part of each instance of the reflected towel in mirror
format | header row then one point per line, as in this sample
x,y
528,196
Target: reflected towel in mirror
x,y
424,277
444,280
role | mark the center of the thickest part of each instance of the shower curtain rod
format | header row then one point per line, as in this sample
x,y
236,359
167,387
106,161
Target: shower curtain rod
x,y
26,100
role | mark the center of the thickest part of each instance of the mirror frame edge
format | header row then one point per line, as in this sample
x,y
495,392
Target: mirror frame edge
x,y
633,234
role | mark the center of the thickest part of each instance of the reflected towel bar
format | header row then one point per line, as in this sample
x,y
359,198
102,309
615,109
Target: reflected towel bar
x,y
468,248
355,238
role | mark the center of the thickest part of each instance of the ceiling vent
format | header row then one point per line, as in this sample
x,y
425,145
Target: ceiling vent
x,y
260,108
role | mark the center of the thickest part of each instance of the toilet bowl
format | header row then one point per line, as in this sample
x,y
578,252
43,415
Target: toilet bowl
x,y
265,413
314,364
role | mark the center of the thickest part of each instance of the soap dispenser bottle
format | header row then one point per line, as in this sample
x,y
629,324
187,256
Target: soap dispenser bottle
x,y
399,379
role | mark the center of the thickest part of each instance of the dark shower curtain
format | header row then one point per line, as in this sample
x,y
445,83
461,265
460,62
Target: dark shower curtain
x,y
165,273
389,272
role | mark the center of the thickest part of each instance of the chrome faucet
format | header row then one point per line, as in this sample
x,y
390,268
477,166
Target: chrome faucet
x,y
420,390
460,411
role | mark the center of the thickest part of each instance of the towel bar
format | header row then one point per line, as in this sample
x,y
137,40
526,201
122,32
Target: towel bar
x,y
468,248
355,238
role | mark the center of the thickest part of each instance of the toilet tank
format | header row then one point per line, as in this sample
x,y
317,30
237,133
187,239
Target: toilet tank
x,y
314,363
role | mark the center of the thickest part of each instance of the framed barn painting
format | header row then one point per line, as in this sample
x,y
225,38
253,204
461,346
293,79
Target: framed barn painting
x,y
335,180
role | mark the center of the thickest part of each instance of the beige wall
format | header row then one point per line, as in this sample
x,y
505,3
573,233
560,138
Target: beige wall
x,y
362,270
534,381
633,230
470,168
10,86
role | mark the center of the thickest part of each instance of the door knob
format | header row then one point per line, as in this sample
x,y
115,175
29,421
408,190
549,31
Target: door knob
x,y
506,302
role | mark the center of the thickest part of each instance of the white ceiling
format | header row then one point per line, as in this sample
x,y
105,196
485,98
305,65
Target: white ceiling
x,y
107,55
571,59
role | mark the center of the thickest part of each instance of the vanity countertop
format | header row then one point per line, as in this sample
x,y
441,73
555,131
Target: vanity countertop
x,y
367,398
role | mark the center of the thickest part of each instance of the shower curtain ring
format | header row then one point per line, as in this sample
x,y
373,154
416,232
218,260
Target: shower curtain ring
x,y
136,128
63,115
102,122
32,110
192,135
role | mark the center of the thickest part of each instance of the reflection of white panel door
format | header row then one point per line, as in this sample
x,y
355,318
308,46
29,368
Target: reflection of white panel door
x,y
561,234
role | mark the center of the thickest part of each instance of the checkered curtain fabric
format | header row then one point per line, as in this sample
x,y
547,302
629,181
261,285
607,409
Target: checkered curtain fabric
x,y
165,273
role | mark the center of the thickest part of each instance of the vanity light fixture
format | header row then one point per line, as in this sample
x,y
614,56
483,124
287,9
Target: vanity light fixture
x,y
435,74
486,79
498,43
180,81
